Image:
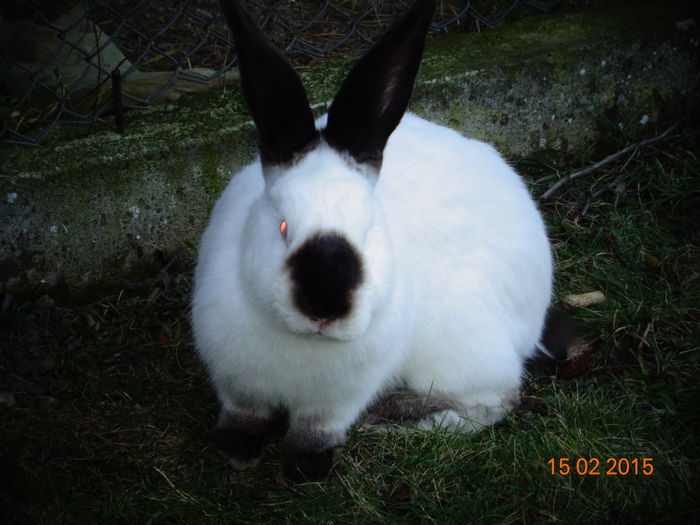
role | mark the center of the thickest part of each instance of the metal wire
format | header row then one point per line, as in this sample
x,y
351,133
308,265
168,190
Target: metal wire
x,y
56,68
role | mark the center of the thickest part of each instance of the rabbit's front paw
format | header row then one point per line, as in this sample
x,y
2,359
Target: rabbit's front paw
x,y
307,450
240,434
243,449
300,465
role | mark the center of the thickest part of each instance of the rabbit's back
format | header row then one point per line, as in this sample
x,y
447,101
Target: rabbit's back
x,y
472,251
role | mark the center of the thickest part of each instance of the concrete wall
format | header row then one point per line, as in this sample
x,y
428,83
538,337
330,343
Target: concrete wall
x,y
81,216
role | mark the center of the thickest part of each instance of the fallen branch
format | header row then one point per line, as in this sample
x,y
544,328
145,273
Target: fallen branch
x,y
595,194
633,147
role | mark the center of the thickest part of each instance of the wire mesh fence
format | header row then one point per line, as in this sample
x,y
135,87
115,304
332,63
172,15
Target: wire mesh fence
x,y
70,62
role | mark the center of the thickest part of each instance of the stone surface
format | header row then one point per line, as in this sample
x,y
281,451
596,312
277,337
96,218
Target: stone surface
x,y
86,214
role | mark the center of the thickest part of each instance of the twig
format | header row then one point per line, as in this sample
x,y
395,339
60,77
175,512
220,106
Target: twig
x,y
614,184
184,496
567,178
598,193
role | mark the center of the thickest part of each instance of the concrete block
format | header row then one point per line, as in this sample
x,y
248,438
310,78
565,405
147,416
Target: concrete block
x,y
84,215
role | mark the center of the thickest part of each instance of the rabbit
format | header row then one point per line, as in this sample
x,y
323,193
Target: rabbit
x,y
364,252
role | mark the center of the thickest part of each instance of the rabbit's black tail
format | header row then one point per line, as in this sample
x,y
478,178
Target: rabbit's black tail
x,y
558,336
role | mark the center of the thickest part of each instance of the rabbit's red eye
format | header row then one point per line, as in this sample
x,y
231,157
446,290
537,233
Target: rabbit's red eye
x,y
283,229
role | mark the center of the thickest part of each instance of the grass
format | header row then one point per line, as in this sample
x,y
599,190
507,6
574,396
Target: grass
x,y
104,407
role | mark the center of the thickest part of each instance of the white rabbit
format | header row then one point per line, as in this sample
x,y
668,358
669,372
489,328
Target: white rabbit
x,y
367,251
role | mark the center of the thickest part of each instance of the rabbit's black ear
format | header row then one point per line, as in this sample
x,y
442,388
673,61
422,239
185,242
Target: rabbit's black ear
x,y
375,94
272,89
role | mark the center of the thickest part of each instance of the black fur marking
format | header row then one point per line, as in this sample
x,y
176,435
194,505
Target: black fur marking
x,y
325,271
375,94
242,436
272,89
244,447
558,334
405,406
301,465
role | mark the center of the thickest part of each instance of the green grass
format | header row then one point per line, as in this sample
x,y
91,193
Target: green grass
x,y
109,407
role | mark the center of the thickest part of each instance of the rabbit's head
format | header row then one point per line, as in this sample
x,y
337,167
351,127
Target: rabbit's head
x,y
317,255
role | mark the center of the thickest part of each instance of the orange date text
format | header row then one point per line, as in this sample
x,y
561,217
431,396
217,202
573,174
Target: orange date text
x,y
601,467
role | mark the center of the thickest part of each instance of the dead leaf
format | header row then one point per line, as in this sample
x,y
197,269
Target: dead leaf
x,y
584,299
579,357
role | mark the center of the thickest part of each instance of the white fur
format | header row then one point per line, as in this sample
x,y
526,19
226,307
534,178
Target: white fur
x,y
457,280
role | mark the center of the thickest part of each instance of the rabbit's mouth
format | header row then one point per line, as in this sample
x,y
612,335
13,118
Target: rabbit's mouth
x,y
322,326
338,330
334,330
331,331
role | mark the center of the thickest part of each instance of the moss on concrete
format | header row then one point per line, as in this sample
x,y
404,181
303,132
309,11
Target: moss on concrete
x,y
545,82
101,209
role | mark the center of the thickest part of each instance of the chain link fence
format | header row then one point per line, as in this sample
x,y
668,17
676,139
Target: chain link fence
x,y
69,63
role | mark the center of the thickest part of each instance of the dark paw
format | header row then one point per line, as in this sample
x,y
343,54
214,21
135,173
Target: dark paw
x,y
243,449
306,465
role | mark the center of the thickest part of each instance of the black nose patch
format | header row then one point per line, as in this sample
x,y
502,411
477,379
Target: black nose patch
x,y
325,271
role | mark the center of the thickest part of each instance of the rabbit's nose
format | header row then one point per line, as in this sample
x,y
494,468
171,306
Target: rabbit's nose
x,y
325,271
